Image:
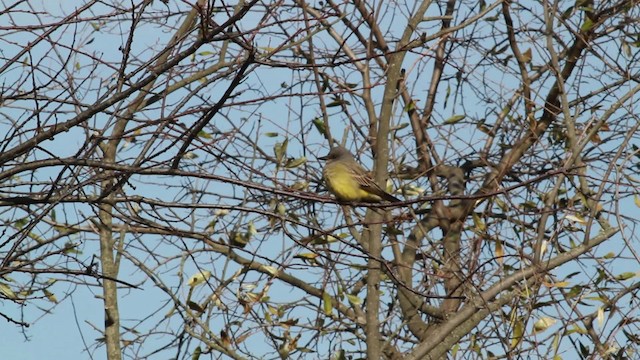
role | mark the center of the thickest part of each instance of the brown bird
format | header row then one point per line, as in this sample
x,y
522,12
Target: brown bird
x,y
349,181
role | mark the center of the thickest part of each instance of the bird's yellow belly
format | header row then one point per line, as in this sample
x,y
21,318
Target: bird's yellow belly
x,y
345,188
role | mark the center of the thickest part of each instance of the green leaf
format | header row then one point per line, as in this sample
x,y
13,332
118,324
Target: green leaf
x,y
567,13
338,102
454,119
280,149
588,24
320,126
446,95
71,248
575,291
294,163
584,350
454,350
518,331
626,275
196,353
556,342
543,324
492,18
626,49
20,223
410,106
354,299
300,185
327,307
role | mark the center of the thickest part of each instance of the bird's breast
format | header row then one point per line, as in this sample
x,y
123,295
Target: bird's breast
x,y
343,186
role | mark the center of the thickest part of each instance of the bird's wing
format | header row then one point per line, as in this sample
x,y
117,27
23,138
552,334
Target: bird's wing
x,y
366,182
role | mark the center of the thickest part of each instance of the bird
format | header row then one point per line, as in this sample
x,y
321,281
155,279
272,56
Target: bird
x,y
347,180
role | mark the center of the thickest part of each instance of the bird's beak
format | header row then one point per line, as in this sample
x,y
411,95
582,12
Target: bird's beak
x,y
323,157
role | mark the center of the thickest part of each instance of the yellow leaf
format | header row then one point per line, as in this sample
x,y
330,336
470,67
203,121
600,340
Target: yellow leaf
x,y
588,24
354,300
556,342
251,229
499,252
280,149
454,119
600,316
50,296
6,290
300,185
518,331
216,301
306,256
309,258
559,284
271,270
408,190
281,209
221,212
576,218
454,350
294,163
543,247
199,278
479,224
543,324
326,303
576,329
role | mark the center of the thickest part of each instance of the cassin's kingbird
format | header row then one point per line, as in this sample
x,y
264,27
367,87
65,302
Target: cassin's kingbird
x,y
349,181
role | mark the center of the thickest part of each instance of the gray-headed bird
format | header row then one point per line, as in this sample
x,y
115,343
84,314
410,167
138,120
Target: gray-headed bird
x,y
347,180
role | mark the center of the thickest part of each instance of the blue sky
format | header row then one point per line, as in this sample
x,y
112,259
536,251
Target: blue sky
x,y
59,334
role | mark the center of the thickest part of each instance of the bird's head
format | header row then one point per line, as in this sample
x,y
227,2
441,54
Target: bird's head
x,y
336,153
